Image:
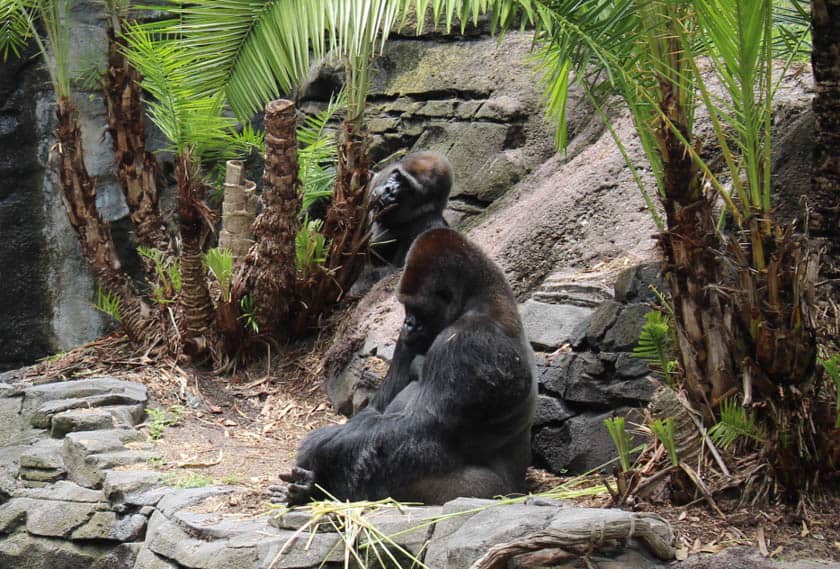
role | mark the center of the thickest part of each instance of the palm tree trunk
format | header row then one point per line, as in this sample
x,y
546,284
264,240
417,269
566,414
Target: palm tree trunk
x,y
346,225
194,221
270,267
97,245
703,316
137,168
824,221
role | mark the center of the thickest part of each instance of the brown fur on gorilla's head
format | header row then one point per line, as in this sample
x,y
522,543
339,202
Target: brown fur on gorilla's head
x,y
442,262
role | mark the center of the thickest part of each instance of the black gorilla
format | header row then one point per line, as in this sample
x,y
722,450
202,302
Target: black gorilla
x,y
406,199
453,417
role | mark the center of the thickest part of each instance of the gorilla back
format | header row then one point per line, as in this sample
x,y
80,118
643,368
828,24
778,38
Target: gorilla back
x,y
460,426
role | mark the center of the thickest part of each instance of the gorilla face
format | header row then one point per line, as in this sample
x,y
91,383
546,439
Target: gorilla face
x,y
428,311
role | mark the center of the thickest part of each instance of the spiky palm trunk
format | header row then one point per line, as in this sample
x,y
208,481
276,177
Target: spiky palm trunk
x,y
97,245
346,225
270,267
744,307
824,221
137,168
194,222
692,268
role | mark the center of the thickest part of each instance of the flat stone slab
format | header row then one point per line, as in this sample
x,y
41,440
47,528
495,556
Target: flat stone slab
x,y
549,326
135,487
65,491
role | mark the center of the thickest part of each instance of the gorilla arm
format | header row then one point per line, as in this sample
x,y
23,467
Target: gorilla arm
x,y
373,455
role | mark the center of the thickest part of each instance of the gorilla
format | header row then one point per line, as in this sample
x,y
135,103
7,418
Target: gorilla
x,y
406,199
453,416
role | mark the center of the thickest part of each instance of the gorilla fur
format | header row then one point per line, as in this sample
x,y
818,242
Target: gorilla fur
x,y
453,417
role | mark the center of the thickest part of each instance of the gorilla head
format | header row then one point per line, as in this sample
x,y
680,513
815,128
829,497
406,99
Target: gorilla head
x,y
406,199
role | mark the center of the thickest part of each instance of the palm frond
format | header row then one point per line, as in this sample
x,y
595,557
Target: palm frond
x,y
735,423
190,119
16,25
318,153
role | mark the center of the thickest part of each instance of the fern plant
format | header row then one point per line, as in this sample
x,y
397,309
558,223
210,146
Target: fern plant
x,y
832,369
621,439
735,423
311,246
656,344
167,271
220,263
247,313
318,153
108,303
664,431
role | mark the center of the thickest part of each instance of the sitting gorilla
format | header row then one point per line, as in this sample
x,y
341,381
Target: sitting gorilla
x,y
407,198
453,417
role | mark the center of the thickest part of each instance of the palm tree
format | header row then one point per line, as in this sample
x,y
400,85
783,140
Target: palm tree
x,y
20,23
253,51
137,169
198,130
743,301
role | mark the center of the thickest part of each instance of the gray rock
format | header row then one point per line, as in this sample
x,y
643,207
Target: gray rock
x,y
80,420
551,411
634,284
482,530
437,109
66,492
109,526
44,454
629,366
181,499
88,453
121,556
147,559
581,443
51,518
502,109
563,289
129,393
12,515
552,372
409,526
134,487
21,550
549,326
602,320
624,334
242,545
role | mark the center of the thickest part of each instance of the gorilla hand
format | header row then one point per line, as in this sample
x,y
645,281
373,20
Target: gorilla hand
x,y
298,490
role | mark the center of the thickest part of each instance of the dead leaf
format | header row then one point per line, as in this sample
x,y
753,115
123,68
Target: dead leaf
x,y
682,516
681,554
214,408
230,423
712,548
762,543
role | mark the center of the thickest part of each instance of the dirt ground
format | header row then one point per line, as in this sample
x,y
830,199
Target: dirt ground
x,y
244,429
